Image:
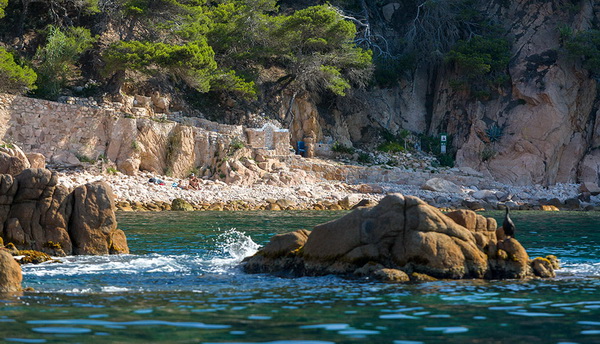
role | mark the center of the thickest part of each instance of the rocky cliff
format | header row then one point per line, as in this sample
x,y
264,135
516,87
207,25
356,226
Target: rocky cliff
x,y
539,126
545,115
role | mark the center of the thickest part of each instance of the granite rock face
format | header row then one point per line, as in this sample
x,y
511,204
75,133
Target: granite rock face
x,y
93,225
546,112
12,159
38,214
10,273
401,236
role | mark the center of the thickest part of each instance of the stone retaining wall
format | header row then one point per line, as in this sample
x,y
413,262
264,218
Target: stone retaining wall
x,y
51,128
69,134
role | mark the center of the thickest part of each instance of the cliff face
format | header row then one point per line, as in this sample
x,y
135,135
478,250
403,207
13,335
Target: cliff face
x,y
549,118
547,114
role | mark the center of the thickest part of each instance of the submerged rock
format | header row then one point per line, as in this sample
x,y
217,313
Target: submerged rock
x,y
33,257
179,204
399,239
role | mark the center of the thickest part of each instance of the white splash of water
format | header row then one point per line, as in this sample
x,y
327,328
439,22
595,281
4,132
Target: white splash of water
x,y
98,265
232,247
588,269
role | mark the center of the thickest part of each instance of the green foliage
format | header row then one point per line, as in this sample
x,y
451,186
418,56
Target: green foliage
x,y
364,158
3,4
480,56
193,62
446,160
391,147
494,133
487,153
156,16
173,147
313,45
394,143
198,46
111,170
316,43
241,29
85,159
340,148
565,32
56,60
230,82
389,70
236,144
482,61
432,145
586,45
135,146
15,78
316,29
334,80
157,119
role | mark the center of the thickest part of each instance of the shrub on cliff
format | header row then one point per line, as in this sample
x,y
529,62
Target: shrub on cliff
x,y
586,45
57,58
481,62
14,78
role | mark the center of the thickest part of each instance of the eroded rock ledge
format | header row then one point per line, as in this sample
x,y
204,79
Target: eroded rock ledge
x,y
401,239
36,213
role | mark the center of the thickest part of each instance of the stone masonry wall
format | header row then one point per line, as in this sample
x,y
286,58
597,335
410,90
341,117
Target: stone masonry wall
x,y
67,134
52,128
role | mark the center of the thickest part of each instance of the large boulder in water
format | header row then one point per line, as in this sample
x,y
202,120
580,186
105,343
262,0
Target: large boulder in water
x,y
93,227
401,234
10,273
38,214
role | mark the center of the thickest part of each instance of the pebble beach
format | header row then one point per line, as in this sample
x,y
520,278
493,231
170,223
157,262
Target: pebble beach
x,y
137,193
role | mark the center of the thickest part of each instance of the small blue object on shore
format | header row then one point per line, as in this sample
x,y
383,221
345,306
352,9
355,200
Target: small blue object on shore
x,y
301,148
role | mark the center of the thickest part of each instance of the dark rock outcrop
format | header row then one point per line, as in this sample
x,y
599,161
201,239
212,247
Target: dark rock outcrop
x,y
400,238
93,225
38,214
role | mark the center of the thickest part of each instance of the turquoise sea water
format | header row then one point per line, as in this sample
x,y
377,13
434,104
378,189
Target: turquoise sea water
x,y
181,284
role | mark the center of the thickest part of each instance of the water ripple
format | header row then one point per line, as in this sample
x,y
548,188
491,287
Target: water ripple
x,y
533,314
447,330
127,323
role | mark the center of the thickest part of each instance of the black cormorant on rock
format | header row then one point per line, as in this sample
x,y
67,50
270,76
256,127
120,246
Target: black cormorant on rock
x,y
508,225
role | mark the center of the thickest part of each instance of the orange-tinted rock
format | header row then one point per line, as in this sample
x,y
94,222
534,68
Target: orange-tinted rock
x,y
10,273
401,236
93,226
